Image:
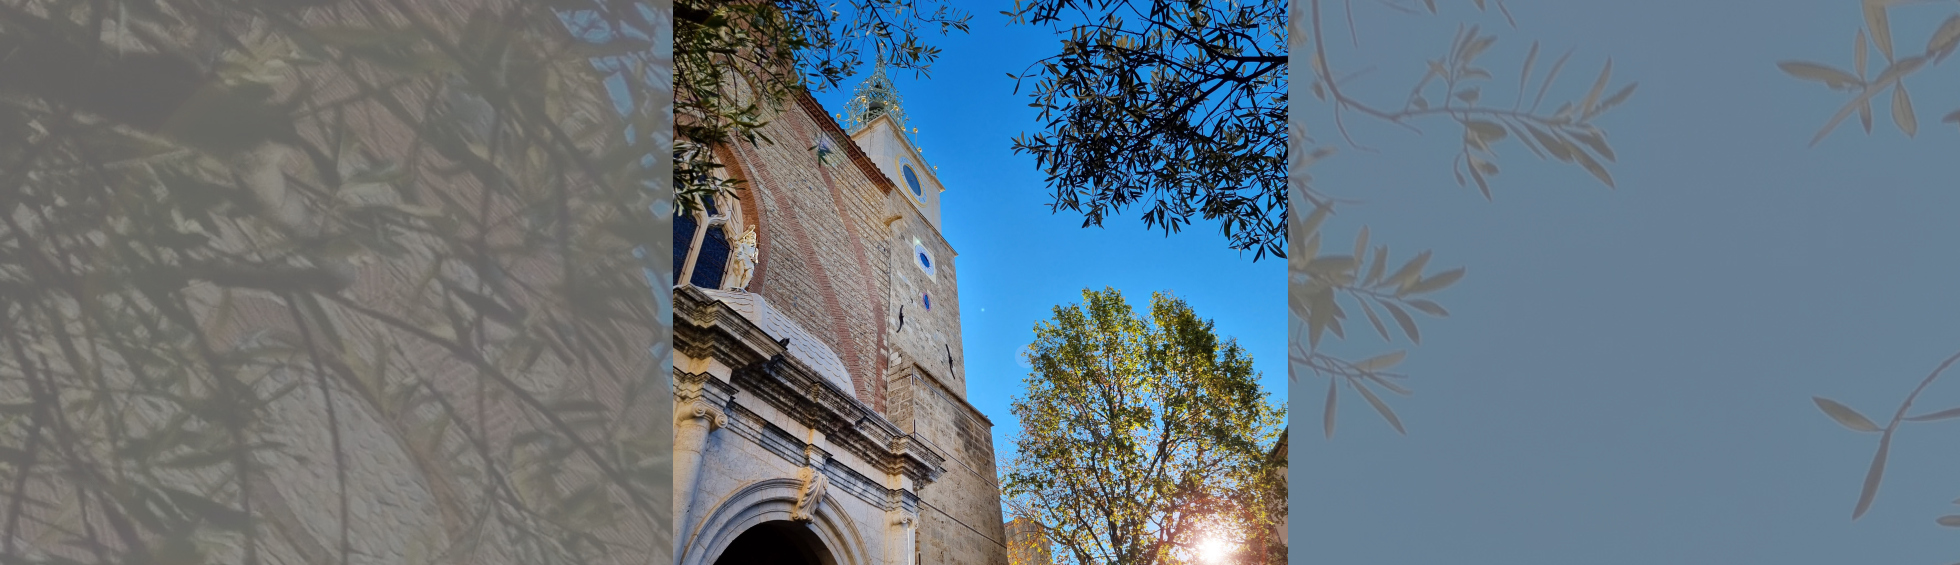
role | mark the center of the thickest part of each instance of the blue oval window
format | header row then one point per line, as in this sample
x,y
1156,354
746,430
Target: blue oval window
x,y
927,298
925,260
912,179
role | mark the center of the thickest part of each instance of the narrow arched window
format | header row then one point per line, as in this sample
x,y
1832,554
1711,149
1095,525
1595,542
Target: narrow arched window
x,y
703,242
711,261
685,226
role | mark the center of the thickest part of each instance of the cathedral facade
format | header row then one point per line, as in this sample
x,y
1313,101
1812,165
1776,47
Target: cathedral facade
x,y
820,393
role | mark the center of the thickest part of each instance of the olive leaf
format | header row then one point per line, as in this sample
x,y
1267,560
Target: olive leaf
x,y
1831,77
1902,111
1380,362
1940,415
1844,415
1381,408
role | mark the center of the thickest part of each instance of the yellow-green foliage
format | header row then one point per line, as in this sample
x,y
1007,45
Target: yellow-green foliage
x,y
1141,436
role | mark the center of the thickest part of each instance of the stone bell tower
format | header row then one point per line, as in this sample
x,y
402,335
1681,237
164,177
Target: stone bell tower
x,y
875,118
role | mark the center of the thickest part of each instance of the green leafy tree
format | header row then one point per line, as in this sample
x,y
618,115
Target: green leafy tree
x,y
1863,88
1179,107
1458,92
256,254
736,63
1143,437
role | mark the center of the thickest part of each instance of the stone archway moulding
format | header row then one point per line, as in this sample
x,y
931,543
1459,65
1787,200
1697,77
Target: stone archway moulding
x,y
769,500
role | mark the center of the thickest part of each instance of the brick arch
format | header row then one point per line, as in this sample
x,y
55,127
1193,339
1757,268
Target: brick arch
x,y
798,246
870,374
818,243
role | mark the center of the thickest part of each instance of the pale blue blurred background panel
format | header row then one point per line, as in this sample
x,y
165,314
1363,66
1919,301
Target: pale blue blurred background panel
x,y
1626,375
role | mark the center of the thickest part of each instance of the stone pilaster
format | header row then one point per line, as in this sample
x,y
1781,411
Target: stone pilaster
x,y
695,417
908,537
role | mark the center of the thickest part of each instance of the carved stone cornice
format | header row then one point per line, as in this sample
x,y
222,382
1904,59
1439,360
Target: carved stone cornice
x,y
701,395
736,342
767,374
689,386
847,423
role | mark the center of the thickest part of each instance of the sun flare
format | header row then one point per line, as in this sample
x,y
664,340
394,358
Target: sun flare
x,y
1214,550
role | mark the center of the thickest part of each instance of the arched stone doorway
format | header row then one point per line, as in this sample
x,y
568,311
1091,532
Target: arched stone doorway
x,y
764,509
776,542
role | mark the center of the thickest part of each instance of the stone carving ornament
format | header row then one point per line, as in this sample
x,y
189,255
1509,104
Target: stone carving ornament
x,y
814,485
699,409
744,260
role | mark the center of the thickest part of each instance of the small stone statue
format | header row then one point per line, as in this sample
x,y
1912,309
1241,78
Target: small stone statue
x,y
745,257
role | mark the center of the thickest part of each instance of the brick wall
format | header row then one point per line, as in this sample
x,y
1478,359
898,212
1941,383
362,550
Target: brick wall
x,y
823,257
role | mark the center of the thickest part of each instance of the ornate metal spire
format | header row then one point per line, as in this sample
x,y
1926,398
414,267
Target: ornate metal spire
x,y
874,97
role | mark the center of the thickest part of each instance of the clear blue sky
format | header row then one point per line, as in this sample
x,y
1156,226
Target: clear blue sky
x,y
1626,377
1017,261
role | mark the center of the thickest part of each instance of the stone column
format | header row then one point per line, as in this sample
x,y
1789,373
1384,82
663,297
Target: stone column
x,y
694,418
